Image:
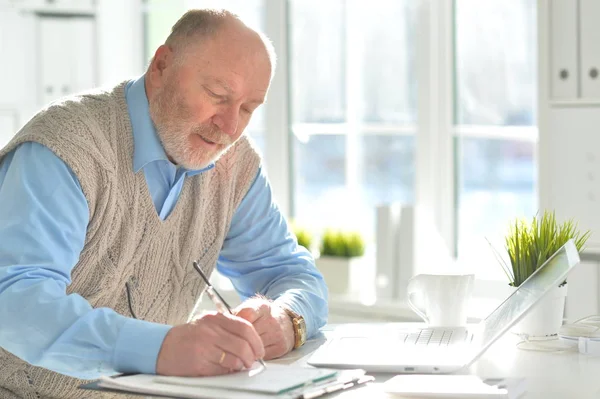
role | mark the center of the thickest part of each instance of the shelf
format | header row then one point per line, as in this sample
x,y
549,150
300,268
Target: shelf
x,y
64,9
575,103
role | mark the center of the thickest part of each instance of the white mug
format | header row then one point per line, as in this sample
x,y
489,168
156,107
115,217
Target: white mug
x,y
444,299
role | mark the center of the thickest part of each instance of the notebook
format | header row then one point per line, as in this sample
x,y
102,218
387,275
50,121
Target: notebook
x,y
273,380
276,381
389,348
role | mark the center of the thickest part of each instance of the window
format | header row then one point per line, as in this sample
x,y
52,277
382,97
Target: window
x,y
354,80
353,109
495,113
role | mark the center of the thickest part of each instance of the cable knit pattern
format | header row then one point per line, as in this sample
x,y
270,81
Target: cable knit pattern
x,y
126,240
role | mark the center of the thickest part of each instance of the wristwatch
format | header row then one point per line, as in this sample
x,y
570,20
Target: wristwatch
x,y
299,327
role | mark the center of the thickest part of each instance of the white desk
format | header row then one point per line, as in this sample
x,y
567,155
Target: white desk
x,y
549,375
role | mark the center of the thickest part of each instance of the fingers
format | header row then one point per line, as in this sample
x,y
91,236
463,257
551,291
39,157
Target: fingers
x,y
274,337
253,309
249,314
213,344
275,350
268,329
228,361
238,349
216,369
239,337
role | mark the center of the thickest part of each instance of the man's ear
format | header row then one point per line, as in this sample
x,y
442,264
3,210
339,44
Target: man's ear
x,y
163,59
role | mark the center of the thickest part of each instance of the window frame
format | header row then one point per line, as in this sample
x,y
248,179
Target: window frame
x,y
436,180
435,151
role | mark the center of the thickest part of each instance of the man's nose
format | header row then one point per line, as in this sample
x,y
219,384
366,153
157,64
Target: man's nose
x,y
227,120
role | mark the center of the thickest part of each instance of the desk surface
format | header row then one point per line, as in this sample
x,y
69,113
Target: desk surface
x,y
549,375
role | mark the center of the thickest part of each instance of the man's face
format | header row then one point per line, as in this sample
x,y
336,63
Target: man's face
x,y
202,103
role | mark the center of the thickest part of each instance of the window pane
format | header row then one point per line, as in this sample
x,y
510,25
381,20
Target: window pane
x,y
497,180
495,62
332,191
386,55
159,18
317,61
352,71
250,11
319,177
387,169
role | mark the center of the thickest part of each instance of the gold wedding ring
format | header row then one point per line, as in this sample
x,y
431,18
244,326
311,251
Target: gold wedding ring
x,y
222,357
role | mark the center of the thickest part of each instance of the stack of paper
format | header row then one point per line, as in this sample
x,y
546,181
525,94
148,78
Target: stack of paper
x,y
276,381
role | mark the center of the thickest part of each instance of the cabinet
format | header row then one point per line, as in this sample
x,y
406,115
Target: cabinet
x,y
589,68
568,120
49,49
18,66
67,62
74,7
574,57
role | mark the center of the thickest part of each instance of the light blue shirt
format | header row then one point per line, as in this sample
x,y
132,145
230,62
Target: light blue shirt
x,y
43,221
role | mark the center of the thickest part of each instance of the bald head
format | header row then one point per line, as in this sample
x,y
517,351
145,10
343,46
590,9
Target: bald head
x,y
197,26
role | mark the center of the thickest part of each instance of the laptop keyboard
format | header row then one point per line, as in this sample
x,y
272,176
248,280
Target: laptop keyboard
x,y
428,337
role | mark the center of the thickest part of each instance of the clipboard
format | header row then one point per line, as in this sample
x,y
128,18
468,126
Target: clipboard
x,y
145,385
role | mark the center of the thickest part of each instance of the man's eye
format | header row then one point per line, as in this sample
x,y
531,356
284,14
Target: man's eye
x,y
213,94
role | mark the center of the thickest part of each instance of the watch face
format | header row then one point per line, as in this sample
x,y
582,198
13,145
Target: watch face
x,y
299,327
300,332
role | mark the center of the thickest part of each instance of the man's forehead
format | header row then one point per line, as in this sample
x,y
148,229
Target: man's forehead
x,y
221,82
257,94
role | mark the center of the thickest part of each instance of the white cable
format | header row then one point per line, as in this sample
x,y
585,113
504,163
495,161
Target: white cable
x,y
585,332
540,344
583,335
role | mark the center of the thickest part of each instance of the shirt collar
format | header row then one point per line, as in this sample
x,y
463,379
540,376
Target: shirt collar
x,y
146,143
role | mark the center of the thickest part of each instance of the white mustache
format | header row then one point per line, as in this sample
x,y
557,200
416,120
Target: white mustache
x,y
213,135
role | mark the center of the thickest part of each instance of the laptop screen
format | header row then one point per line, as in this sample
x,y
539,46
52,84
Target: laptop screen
x,y
551,274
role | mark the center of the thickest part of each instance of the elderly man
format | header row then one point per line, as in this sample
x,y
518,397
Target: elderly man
x,y
108,197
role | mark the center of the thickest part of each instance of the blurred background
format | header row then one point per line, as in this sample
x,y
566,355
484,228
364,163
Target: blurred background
x,y
427,104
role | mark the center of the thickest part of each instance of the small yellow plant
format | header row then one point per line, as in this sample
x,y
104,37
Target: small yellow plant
x,y
303,235
342,244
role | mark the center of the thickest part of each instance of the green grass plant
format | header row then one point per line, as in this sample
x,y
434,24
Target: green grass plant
x,y
303,235
339,243
530,244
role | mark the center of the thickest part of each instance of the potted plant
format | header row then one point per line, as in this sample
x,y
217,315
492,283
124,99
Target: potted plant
x,y
303,235
529,245
340,253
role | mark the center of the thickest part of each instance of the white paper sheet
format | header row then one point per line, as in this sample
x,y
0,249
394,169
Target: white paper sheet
x,y
275,379
192,388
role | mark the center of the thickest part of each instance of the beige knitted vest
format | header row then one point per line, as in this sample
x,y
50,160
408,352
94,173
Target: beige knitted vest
x,y
126,241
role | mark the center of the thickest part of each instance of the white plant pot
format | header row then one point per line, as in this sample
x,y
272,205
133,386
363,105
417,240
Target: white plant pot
x,y
546,317
337,272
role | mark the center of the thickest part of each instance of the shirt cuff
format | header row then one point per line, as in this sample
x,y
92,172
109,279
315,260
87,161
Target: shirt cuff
x,y
138,346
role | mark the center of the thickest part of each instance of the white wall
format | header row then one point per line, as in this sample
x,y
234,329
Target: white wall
x,y
18,77
120,40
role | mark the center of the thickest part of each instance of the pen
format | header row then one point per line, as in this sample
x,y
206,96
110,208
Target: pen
x,y
220,303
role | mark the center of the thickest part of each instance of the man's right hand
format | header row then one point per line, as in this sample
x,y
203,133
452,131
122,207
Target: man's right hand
x,y
213,344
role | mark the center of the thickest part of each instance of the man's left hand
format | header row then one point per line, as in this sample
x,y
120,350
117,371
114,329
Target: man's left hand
x,y
272,324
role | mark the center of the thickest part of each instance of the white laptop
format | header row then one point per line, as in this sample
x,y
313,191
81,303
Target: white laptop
x,y
391,348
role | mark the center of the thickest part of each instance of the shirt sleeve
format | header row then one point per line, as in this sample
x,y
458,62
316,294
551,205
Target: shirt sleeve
x,y
261,255
43,222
